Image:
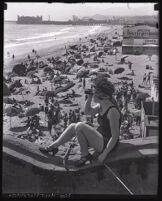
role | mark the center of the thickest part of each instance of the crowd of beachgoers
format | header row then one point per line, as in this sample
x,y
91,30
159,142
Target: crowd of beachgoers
x,y
44,94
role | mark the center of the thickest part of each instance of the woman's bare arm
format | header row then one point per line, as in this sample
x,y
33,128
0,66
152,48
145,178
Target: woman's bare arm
x,y
91,110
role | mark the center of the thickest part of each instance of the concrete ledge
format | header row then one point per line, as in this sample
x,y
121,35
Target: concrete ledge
x,y
27,170
29,153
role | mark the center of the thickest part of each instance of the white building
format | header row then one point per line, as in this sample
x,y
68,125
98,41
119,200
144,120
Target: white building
x,y
140,39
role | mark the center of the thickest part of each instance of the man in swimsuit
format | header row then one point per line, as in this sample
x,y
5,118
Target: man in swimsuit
x,y
106,137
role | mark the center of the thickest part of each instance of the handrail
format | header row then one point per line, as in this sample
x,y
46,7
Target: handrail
x,y
120,181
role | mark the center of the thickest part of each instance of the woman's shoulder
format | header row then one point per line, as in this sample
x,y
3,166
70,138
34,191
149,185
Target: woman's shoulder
x,y
113,111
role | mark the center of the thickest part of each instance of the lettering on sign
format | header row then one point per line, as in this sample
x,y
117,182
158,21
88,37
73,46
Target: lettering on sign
x,y
140,33
151,41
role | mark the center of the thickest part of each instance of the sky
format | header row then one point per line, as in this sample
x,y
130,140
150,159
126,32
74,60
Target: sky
x,y
64,11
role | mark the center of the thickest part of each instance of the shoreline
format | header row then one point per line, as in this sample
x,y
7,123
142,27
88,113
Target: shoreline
x,y
56,50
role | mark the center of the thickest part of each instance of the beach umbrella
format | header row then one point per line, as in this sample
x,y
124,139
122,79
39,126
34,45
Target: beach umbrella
x,y
11,112
6,90
80,62
47,69
19,69
124,78
100,54
119,70
125,56
32,111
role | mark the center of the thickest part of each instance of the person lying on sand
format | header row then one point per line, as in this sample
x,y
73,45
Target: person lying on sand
x,y
106,137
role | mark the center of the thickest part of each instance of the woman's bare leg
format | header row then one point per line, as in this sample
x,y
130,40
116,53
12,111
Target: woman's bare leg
x,y
68,133
87,135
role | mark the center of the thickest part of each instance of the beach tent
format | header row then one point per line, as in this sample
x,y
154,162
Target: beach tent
x,y
6,90
19,69
119,70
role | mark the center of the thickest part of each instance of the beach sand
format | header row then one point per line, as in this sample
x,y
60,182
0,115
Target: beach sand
x,y
139,64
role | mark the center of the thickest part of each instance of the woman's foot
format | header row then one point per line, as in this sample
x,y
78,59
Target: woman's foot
x,y
83,160
46,150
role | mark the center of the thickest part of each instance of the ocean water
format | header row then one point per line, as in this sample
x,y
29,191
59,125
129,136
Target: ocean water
x,y
19,38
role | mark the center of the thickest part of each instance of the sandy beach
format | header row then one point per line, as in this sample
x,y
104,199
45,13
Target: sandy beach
x,y
110,62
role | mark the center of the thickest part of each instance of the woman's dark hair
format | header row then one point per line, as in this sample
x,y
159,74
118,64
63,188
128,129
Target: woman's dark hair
x,y
103,85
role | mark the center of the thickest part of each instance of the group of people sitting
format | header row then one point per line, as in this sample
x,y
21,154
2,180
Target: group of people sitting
x,y
33,125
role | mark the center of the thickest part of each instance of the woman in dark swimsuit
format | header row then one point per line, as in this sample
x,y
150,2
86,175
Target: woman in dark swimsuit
x,y
106,137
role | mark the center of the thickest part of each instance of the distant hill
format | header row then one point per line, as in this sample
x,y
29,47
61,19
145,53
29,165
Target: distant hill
x,y
150,19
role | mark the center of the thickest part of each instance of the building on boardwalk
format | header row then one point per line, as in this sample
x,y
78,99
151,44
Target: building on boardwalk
x,y
140,39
